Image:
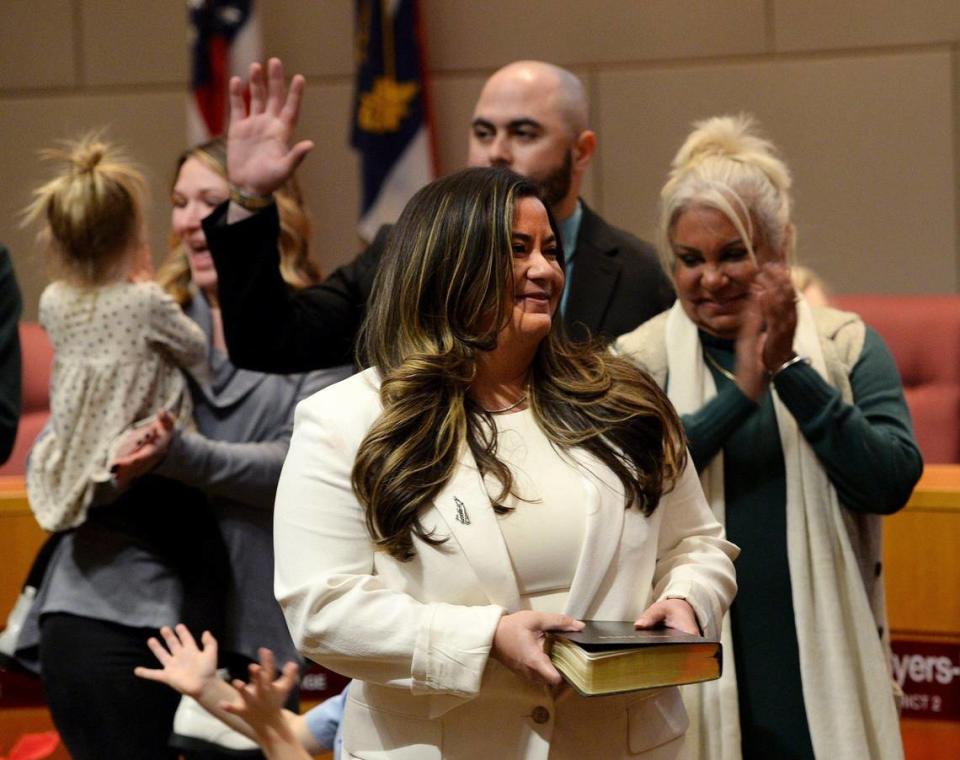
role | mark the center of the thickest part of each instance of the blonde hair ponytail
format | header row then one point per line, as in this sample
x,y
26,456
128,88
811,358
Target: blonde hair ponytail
x,y
92,210
725,164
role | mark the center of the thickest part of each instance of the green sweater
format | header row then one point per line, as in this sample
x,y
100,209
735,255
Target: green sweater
x,y
869,453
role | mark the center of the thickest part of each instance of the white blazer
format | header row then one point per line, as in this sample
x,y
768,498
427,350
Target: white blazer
x,y
417,635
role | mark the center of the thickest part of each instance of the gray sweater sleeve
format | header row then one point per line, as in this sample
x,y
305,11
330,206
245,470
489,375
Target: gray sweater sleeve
x,y
244,472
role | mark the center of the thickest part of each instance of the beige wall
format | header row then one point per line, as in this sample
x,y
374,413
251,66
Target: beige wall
x,y
861,95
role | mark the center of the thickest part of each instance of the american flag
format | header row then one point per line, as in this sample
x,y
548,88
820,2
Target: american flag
x,y
224,40
392,128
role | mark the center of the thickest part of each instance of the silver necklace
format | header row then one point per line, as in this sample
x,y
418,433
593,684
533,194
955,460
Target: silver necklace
x,y
717,366
514,405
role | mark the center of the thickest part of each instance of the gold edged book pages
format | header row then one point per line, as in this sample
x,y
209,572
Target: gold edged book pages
x,y
609,657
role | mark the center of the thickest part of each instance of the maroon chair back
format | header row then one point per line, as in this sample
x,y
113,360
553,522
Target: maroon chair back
x,y
923,334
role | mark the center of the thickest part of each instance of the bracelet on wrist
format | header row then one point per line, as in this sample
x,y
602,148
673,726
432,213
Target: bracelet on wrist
x,y
249,201
795,359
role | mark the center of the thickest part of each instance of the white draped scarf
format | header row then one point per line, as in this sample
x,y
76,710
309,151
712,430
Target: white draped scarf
x,y
847,690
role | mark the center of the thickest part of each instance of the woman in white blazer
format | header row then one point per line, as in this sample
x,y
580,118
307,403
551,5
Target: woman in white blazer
x,y
486,481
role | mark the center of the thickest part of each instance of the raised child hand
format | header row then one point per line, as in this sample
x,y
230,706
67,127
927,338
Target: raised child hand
x,y
186,667
261,700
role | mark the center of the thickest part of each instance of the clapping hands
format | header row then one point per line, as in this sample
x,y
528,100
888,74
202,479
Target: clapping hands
x,y
767,328
773,291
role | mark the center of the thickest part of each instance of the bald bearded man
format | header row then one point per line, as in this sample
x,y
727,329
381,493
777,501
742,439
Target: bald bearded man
x,y
531,117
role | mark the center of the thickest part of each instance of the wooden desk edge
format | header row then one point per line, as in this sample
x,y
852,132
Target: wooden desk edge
x,y
13,496
938,489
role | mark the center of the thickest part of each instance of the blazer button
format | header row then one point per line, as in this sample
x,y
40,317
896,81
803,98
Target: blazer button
x,y
540,714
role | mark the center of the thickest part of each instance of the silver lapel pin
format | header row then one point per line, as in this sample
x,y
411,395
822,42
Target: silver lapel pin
x,y
462,517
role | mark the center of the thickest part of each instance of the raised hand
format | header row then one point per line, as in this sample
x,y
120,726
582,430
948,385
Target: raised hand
x,y
259,156
518,643
261,700
186,667
672,613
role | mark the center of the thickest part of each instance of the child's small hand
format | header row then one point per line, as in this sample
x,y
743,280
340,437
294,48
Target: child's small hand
x,y
263,697
147,451
186,667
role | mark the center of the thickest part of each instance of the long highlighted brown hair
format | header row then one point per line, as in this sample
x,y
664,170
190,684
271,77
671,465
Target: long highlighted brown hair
x,y
297,266
439,298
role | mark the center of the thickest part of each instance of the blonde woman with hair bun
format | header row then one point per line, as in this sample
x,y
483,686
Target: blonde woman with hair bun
x,y
799,430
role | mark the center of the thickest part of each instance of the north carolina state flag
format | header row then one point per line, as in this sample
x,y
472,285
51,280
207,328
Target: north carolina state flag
x,y
392,128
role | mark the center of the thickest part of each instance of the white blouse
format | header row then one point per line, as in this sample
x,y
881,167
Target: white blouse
x,y
545,528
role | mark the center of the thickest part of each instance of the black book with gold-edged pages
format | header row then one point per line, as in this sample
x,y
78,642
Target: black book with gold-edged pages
x,y
608,657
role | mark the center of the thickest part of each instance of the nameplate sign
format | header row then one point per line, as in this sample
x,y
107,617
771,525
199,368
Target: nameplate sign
x,y
317,683
929,674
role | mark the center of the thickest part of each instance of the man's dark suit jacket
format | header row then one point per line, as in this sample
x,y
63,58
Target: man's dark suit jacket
x,y
617,284
10,306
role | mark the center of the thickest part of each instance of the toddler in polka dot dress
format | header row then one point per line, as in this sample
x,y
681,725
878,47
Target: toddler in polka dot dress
x,y
119,340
